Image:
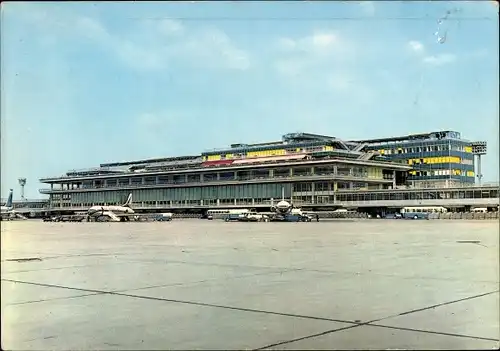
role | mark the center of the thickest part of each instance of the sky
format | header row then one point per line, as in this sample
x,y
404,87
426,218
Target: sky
x,y
88,83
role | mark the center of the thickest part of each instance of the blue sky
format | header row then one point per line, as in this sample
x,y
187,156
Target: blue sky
x,y
88,83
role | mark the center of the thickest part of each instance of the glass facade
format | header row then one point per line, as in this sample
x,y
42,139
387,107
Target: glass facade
x,y
301,193
433,159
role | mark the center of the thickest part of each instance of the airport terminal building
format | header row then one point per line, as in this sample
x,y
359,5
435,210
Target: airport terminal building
x,y
312,170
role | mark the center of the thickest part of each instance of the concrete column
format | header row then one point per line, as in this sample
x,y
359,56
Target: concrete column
x,y
253,201
312,170
235,202
335,170
313,192
235,175
201,202
157,180
185,178
93,184
218,176
130,181
394,179
170,203
201,178
351,185
218,202
291,172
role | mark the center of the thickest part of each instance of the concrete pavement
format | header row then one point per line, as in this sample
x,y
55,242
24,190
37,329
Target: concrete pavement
x,y
197,284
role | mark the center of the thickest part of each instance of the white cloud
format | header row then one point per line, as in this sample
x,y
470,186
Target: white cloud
x,y
215,45
150,46
290,67
438,60
318,42
286,44
171,27
310,52
368,7
416,46
435,60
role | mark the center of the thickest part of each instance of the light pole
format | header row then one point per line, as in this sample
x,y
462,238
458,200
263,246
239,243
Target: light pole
x,y
22,183
479,149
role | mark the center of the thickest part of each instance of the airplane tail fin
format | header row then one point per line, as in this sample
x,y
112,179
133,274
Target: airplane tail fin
x,y
129,201
9,199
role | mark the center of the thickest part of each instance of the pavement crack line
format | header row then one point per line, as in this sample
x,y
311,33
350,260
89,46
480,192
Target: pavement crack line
x,y
103,292
373,324
143,288
242,309
445,303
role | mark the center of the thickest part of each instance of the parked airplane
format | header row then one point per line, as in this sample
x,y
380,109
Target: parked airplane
x,y
284,207
115,213
119,213
8,205
7,211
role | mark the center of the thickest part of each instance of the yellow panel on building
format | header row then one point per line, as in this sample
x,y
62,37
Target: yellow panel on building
x,y
213,157
470,173
278,152
328,148
266,153
229,156
468,149
204,158
381,152
433,160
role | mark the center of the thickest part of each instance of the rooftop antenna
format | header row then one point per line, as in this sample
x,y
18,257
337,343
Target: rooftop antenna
x,y
22,183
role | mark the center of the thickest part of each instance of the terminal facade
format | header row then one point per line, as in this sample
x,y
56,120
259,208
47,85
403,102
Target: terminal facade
x,y
308,169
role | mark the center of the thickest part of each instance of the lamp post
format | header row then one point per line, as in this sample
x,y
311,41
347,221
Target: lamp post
x,y
22,183
478,150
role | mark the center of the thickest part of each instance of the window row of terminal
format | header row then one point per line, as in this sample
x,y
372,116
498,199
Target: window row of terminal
x,y
309,169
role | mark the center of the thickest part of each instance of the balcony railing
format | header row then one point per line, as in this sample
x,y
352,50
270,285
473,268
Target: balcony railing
x,y
246,179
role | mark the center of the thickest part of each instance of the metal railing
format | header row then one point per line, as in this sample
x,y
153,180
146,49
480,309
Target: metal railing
x,y
239,180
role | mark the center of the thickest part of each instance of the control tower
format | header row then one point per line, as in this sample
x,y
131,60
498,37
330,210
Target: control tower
x,y
22,183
